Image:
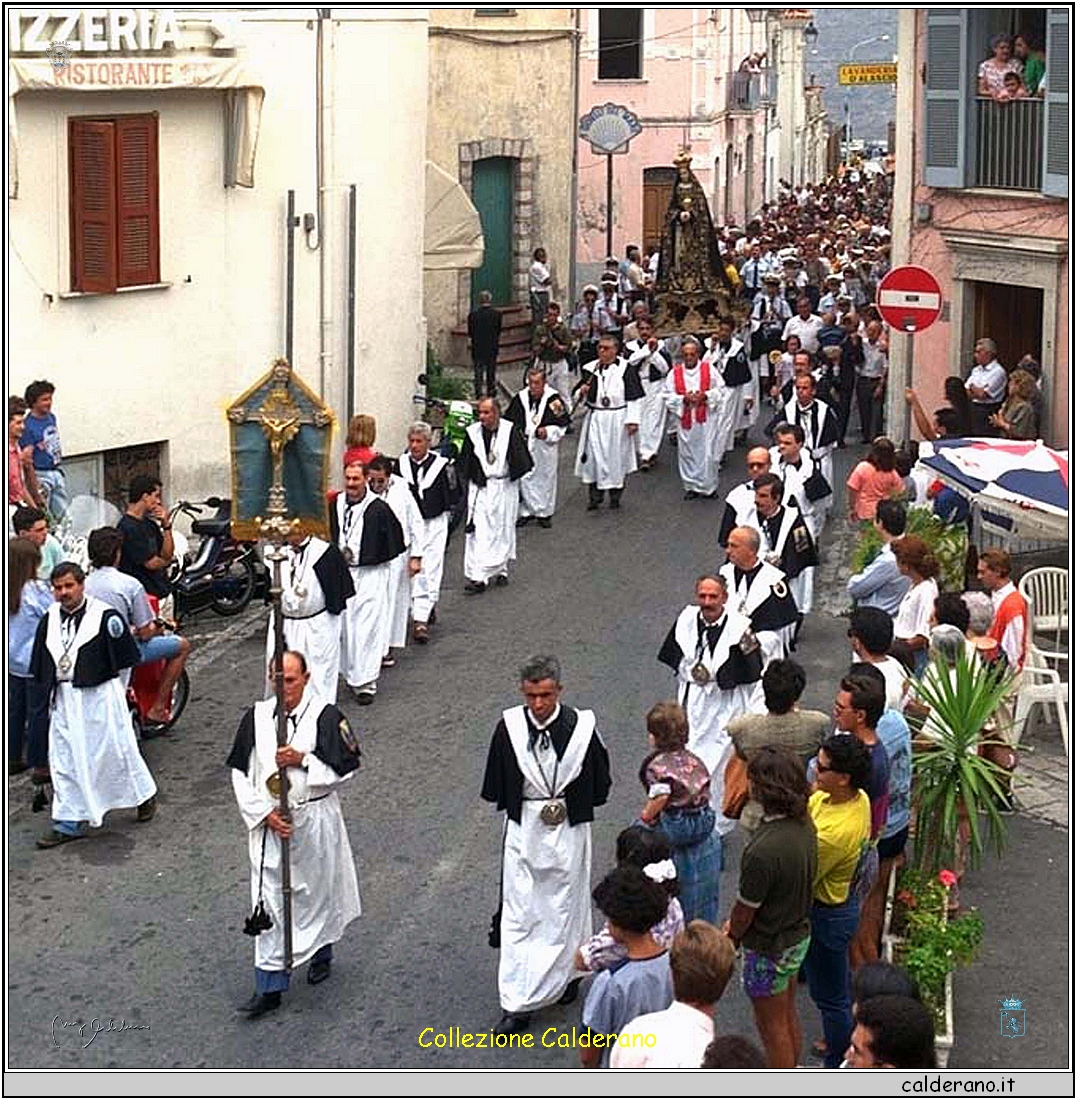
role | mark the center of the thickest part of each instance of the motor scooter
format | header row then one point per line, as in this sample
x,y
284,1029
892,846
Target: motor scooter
x,y
224,574
145,684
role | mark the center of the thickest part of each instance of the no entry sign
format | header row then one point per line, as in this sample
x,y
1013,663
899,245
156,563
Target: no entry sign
x,y
909,298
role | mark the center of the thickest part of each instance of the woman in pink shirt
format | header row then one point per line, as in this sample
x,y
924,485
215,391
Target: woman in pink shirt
x,y
873,480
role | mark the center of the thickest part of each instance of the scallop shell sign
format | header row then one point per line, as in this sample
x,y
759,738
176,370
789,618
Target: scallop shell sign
x,y
609,128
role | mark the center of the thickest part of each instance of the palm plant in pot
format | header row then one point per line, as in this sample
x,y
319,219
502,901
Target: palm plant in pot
x,y
957,792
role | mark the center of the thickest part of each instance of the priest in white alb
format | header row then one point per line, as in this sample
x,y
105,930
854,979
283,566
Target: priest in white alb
x,y
316,585
539,412
492,460
80,648
370,537
718,663
392,489
431,479
548,769
695,394
321,753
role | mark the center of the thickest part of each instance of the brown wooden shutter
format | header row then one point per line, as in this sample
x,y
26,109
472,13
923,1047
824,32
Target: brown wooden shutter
x,y
136,206
93,205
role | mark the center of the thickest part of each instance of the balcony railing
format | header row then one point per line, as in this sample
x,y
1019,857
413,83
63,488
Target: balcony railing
x,y
1009,144
747,91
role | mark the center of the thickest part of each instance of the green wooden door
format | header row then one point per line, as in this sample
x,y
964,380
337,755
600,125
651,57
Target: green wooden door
x,y
491,192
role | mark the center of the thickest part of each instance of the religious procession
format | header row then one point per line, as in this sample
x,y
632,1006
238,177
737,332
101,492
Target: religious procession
x,y
659,685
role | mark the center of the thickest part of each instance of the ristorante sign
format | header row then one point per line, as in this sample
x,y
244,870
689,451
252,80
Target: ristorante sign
x,y
114,30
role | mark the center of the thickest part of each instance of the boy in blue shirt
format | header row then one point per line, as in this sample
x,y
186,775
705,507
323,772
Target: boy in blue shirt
x,y
632,904
41,433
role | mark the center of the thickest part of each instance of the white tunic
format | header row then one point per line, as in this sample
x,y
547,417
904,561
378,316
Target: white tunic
x,y
652,419
93,752
399,498
802,586
823,455
732,397
709,707
697,446
325,888
365,622
491,509
308,628
538,487
794,481
748,400
545,876
429,540
606,453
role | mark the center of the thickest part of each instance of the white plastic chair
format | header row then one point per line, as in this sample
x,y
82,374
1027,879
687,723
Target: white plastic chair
x,y
1047,592
1040,684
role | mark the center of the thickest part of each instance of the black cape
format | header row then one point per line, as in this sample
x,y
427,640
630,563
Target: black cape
x,y
98,659
503,782
737,371
633,386
383,537
738,668
335,578
520,461
441,495
336,744
555,415
799,552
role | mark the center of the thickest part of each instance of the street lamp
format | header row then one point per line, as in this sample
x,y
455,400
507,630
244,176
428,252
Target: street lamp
x,y
848,114
811,33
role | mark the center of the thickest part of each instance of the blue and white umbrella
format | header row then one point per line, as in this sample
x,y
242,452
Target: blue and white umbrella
x,y
1027,483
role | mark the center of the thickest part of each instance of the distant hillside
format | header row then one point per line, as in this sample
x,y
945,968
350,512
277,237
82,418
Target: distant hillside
x,y
872,106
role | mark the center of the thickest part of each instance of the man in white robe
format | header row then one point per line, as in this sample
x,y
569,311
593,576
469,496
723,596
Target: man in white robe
x,y
819,423
694,393
431,480
538,411
611,389
316,585
492,460
652,362
740,500
404,567
728,357
718,664
786,541
321,753
369,536
80,649
760,591
803,480
548,769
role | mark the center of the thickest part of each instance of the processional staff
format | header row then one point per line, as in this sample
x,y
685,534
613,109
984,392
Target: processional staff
x,y
277,409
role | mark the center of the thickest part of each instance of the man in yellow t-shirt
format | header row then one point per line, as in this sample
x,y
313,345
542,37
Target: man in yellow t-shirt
x,y
841,812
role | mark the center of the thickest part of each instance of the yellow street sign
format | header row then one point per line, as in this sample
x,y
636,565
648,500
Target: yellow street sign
x,y
875,72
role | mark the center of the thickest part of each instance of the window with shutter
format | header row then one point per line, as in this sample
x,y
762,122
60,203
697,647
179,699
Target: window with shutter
x,y
113,196
946,96
1056,145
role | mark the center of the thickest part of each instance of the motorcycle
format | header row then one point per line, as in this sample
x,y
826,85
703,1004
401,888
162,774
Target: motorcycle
x,y
225,574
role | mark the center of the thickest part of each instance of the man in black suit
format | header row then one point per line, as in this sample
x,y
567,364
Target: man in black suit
x,y
484,331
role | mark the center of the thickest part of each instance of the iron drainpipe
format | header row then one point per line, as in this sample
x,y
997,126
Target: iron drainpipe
x,y
324,15
573,225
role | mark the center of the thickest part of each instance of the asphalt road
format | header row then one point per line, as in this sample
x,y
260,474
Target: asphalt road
x,y
142,923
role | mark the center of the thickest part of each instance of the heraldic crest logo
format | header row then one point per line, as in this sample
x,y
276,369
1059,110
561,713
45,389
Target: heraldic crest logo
x,y
1012,1018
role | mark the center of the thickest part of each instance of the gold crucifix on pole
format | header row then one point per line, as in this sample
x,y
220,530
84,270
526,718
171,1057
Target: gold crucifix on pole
x,y
280,442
